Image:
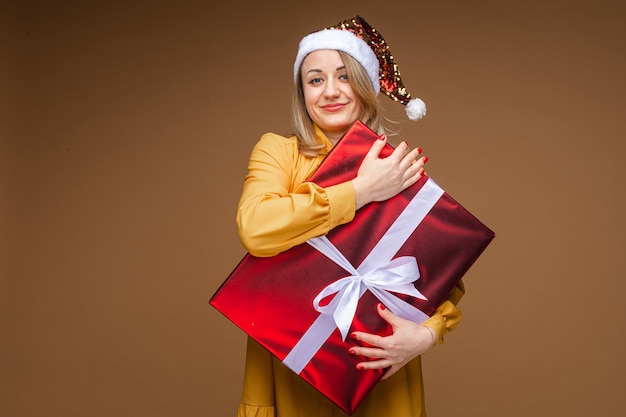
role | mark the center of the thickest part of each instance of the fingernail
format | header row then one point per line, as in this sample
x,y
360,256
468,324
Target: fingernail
x,y
406,143
382,137
425,159
359,367
353,335
382,306
352,352
419,151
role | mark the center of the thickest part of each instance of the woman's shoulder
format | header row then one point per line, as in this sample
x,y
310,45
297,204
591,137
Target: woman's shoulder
x,y
274,143
275,139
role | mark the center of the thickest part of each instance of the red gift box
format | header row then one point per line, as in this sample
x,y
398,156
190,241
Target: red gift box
x,y
408,252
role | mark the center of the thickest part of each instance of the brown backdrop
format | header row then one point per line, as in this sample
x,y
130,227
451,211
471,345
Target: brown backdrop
x,y
126,127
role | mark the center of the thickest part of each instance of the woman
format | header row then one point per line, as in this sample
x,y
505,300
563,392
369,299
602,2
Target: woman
x,y
336,77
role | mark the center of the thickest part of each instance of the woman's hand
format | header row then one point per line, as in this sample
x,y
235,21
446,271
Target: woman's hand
x,y
379,179
408,341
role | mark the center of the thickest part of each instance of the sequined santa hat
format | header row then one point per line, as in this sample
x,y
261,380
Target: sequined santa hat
x,y
360,40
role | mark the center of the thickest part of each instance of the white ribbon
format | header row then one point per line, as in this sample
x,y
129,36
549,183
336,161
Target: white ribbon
x,y
396,275
378,273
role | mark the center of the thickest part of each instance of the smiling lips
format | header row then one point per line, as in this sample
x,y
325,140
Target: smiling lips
x,y
333,107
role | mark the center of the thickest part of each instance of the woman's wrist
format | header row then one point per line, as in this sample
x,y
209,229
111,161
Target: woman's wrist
x,y
433,335
360,193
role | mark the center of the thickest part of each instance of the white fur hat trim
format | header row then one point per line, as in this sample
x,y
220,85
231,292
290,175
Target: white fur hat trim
x,y
342,40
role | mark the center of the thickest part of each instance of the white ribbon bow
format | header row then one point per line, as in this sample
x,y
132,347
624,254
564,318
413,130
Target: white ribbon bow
x,y
396,275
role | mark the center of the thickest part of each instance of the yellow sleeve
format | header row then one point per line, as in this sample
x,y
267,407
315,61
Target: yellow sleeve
x,y
448,315
278,208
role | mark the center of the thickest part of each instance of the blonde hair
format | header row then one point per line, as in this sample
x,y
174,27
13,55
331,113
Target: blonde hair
x,y
372,115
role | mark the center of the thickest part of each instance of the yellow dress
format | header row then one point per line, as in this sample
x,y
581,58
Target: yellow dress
x,y
279,209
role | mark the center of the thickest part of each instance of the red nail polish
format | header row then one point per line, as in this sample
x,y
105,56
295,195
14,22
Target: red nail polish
x,y
353,335
352,352
406,143
359,367
419,151
382,137
425,159
382,306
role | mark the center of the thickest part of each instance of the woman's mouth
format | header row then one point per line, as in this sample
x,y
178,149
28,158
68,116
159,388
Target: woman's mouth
x,y
333,107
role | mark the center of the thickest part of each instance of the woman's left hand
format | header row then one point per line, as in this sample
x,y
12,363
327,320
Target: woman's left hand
x,y
408,341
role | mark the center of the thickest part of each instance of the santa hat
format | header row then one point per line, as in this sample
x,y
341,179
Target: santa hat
x,y
361,41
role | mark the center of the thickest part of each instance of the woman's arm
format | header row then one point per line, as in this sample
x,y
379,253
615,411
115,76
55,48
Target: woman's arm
x,y
278,208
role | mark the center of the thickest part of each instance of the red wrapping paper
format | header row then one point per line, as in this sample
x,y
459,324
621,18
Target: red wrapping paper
x,y
271,299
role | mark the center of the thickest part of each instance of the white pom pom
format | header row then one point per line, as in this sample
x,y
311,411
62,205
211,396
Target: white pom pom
x,y
415,109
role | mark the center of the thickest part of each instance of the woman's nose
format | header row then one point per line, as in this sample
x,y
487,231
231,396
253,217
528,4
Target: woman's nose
x,y
330,89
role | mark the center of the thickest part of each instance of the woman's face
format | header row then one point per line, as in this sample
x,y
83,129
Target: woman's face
x,y
328,95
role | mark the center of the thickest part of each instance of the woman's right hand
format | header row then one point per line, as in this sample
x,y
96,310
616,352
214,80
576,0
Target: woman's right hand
x,y
379,179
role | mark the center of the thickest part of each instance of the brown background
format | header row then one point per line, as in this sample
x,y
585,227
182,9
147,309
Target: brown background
x,y
126,127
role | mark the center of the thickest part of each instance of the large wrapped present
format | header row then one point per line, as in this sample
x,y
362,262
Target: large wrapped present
x,y
408,252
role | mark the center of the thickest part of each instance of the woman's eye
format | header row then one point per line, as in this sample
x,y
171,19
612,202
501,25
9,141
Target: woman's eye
x,y
315,81
343,77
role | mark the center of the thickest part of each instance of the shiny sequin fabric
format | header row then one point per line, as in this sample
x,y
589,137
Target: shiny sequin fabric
x,y
389,74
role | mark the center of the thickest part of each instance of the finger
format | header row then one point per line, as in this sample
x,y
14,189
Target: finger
x,y
399,153
418,151
412,179
369,338
421,162
413,170
376,148
378,364
370,352
410,165
387,315
410,158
